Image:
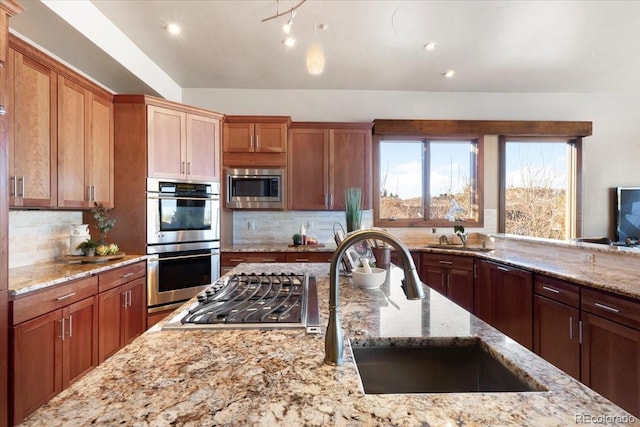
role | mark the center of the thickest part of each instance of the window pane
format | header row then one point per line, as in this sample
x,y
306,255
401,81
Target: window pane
x,y
536,189
450,182
401,179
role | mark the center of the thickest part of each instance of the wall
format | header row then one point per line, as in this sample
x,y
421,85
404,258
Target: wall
x,y
39,236
610,154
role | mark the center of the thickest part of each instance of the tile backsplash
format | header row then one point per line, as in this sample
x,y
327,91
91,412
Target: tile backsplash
x,y
39,236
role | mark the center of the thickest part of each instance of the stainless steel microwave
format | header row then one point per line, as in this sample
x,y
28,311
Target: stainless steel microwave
x,y
254,188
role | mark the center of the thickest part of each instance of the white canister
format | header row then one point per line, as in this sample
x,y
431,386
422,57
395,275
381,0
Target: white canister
x,y
79,234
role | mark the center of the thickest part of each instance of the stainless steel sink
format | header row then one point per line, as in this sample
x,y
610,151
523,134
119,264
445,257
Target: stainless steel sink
x,y
458,247
452,365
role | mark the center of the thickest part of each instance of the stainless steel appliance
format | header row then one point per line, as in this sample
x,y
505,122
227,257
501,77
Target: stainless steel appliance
x,y
183,240
254,301
255,188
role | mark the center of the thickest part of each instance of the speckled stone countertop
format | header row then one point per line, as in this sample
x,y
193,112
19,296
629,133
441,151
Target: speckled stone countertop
x,y
23,280
277,377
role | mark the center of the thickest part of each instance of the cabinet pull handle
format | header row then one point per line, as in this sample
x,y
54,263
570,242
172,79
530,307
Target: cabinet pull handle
x,y
475,271
445,262
181,167
330,200
326,200
65,296
13,186
124,299
570,328
236,260
188,168
606,307
61,329
130,297
268,260
21,193
580,332
124,276
503,268
302,260
70,325
93,193
555,291
251,141
257,141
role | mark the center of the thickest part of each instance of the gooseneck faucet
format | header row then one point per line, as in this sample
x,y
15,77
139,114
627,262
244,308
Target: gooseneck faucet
x,y
411,285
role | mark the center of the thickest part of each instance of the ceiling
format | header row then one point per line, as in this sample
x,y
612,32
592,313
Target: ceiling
x,y
493,46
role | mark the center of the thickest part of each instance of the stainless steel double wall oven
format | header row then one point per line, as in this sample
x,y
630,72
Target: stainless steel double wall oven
x,y
183,240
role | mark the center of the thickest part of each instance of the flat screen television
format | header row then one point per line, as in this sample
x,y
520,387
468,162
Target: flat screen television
x,y
628,213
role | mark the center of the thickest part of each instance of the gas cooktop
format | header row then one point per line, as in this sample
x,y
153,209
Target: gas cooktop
x,y
256,300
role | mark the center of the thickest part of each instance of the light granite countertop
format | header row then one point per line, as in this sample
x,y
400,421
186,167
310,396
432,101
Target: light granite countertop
x,y
23,280
277,377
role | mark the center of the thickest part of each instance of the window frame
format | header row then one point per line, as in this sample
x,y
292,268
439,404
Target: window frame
x,y
477,178
573,221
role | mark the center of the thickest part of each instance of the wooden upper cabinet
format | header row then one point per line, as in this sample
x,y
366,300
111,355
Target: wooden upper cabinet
x,y
183,145
255,134
324,160
85,147
32,134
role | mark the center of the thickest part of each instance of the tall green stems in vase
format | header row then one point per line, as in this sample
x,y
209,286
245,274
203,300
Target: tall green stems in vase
x,y
352,207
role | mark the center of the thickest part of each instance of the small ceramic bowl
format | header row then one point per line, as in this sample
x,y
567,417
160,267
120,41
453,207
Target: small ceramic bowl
x,y
369,280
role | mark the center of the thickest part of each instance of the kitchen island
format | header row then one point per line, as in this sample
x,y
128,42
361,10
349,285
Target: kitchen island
x,y
277,377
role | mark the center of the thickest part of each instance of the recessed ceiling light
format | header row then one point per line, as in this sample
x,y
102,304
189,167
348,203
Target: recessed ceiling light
x,y
289,42
449,74
430,46
323,26
174,28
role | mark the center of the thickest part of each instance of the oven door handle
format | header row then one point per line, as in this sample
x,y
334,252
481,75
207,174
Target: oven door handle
x,y
184,257
182,198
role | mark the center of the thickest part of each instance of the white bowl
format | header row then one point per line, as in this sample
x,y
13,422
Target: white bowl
x,y
369,280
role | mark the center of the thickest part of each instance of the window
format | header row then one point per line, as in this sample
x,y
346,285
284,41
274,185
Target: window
x,y
539,187
428,182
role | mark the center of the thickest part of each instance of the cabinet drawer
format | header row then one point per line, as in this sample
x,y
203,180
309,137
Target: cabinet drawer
x,y
120,275
557,290
448,261
309,256
40,302
231,259
611,307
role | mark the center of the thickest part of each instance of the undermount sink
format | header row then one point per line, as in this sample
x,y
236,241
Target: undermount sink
x,y
434,365
458,247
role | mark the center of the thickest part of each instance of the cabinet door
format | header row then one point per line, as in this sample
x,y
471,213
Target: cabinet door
x,y
37,362
555,334
166,143
434,277
32,137
350,165
135,313
203,148
611,361
308,166
460,288
110,304
237,137
99,150
72,190
80,344
270,137
503,298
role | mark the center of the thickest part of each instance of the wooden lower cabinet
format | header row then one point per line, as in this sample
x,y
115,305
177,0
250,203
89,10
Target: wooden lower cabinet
x,y
122,310
503,298
50,352
308,256
452,276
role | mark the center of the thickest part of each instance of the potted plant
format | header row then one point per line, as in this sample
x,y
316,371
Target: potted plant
x,y
352,207
88,247
105,224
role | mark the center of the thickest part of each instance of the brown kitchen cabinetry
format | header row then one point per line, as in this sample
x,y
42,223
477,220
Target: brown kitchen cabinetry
x,y
503,298
122,308
32,132
255,134
610,355
85,147
183,145
323,160
228,260
451,275
54,342
556,317
396,259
